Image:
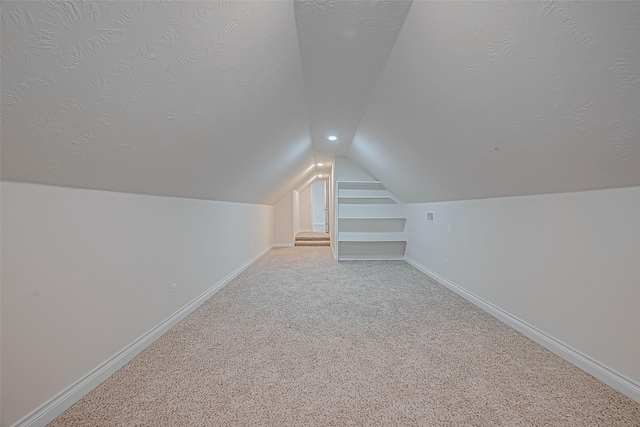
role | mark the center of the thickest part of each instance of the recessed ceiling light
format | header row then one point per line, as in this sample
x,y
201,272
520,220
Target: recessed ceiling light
x,y
319,176
320,164
332,138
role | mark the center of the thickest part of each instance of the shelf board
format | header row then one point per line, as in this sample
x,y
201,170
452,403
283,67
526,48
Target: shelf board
x,y
372,225
372,217
371,250
363,193
360,185
369,200
383,236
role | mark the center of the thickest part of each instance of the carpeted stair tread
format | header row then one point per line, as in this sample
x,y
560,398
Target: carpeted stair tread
x,y
312,243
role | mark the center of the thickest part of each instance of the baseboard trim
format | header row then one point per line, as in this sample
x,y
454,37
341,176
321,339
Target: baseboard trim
x,y
61,402
605,374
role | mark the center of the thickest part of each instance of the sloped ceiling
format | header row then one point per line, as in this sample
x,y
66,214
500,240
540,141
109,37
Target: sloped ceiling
x,y
487,99
233,100
192,99
344,47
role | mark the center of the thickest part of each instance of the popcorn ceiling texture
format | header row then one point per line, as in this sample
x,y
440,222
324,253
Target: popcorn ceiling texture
x,y
233,100
164,98
298,339
503,98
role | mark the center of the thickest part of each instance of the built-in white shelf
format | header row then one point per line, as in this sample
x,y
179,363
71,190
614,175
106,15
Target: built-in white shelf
x,y
372,237
373,224
361,185
370,222
370,250
364,193
370,211
367,200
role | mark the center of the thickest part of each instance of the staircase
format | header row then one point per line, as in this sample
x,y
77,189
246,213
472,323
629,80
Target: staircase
x,y
306,238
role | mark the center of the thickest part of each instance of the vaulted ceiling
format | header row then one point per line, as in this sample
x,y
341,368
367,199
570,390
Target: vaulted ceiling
x,y
233,100
487,99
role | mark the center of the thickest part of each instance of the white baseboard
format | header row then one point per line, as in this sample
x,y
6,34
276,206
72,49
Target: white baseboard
x,y
605,374
61,402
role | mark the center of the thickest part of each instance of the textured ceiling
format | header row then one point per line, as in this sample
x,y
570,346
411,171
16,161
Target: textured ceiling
x,y
233,100
487,99
192,99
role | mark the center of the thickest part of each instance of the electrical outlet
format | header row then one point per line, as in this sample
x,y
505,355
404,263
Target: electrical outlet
x,y
446,264
449,228
174,289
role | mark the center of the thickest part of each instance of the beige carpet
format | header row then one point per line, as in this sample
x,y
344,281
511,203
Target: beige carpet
x,y
312,238
299,340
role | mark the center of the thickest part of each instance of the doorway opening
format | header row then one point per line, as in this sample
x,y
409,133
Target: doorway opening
x,y
319,207
318,234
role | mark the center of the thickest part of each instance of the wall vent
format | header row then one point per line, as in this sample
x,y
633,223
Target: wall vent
x,y
429,216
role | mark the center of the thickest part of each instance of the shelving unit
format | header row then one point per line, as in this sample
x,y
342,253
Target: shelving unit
x,y
366,200
370,222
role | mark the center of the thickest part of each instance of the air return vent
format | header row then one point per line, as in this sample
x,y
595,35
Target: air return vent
x,y
429,216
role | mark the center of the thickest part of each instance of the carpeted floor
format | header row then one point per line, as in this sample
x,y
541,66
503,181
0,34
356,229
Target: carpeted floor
x,y
300,340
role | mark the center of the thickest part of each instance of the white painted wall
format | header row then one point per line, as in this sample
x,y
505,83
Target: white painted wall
x,y
567,264
318,205
305,209
346,170
86,272
332,216
296,212
283,220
